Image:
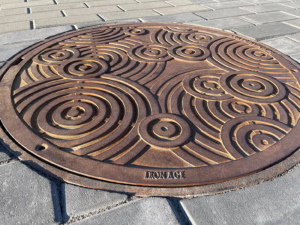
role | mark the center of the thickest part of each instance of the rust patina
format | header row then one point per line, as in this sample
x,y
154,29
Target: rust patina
x,y
152,108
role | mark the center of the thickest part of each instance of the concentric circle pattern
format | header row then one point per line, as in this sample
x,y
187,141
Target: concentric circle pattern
x,y
152,104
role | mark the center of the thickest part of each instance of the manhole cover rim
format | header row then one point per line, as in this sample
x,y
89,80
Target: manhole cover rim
x,y
72,33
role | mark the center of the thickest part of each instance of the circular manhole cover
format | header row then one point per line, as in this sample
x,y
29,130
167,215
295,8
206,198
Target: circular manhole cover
x,y
143,107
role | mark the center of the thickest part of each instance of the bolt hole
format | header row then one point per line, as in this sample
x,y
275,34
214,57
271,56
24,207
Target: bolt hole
x,y
41,147
164,128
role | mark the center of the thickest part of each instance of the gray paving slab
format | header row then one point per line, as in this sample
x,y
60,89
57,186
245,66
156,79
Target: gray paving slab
x,y
296,57
225,23
57,7
291,4
294,12
177,18
81,201
268,17
272,202
295,37
30,35
182,9
217,14
110,2
26,4
295,23
27,197
266,31
283,44
146,5
9,50
229,4
267,8
204,1
10,27
179,2
82,25
16,11
128,15
66,20
4,154
146,211
94,10
266,1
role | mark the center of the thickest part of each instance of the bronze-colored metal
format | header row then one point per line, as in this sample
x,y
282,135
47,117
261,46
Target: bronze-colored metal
x,y
152,105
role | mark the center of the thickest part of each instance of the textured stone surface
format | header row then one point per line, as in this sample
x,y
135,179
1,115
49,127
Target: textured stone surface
x,y
128,15
265,31
109,22
147,5
283,44
268,17
182,17
295,37
26,4
42,8
292,4
182,9
223,13
94,10
266,8
225,23
9,50
80,201
66,20
5,28
4,155
295,23
8,12
26,197
272,202
229,4
140,212
296,57
29,35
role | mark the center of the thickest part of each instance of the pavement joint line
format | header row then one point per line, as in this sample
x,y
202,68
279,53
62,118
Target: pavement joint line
x,y
121,8
141,20
130,198
175,206
170,3
87,5
157,12
75,27
32,25
55,2
101,17
64,13
137,1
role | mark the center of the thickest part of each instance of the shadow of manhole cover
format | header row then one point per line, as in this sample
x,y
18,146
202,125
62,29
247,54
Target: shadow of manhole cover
x,y
152,109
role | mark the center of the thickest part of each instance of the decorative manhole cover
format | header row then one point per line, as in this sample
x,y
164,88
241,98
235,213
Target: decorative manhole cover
x,y
147,106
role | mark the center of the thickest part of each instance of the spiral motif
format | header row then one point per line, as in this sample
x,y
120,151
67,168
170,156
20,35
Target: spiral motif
x,y
204,86
251,134
82,68
241,56
196,38
56,56
189,52
135,31
149,53
253,87
164,131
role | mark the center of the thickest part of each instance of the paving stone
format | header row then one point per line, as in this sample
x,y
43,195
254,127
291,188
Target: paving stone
x,y
224,5
268,17
179,2
273,202
8,12
182,9
283,44
9,50
109,22
81,201
295,37
296,57
182,17
32,16
66,20
295,23
29,35
127,15
110,2
266,31
10,27
291,4
217,14
27,197
42,8
10,1
27,4
266,1
147,5
266,8
293,12
140,212
4,154
226,23
203,1
94,10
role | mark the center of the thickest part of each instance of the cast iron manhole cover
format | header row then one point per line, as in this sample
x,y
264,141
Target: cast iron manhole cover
x,y
151,105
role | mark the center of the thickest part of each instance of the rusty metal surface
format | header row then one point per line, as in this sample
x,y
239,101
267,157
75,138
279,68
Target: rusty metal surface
x,y
159,105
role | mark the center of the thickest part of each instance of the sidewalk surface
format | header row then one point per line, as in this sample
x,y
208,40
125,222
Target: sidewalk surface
x,y
30,197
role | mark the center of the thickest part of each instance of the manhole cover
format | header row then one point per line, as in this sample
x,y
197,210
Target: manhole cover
x,y
150,106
